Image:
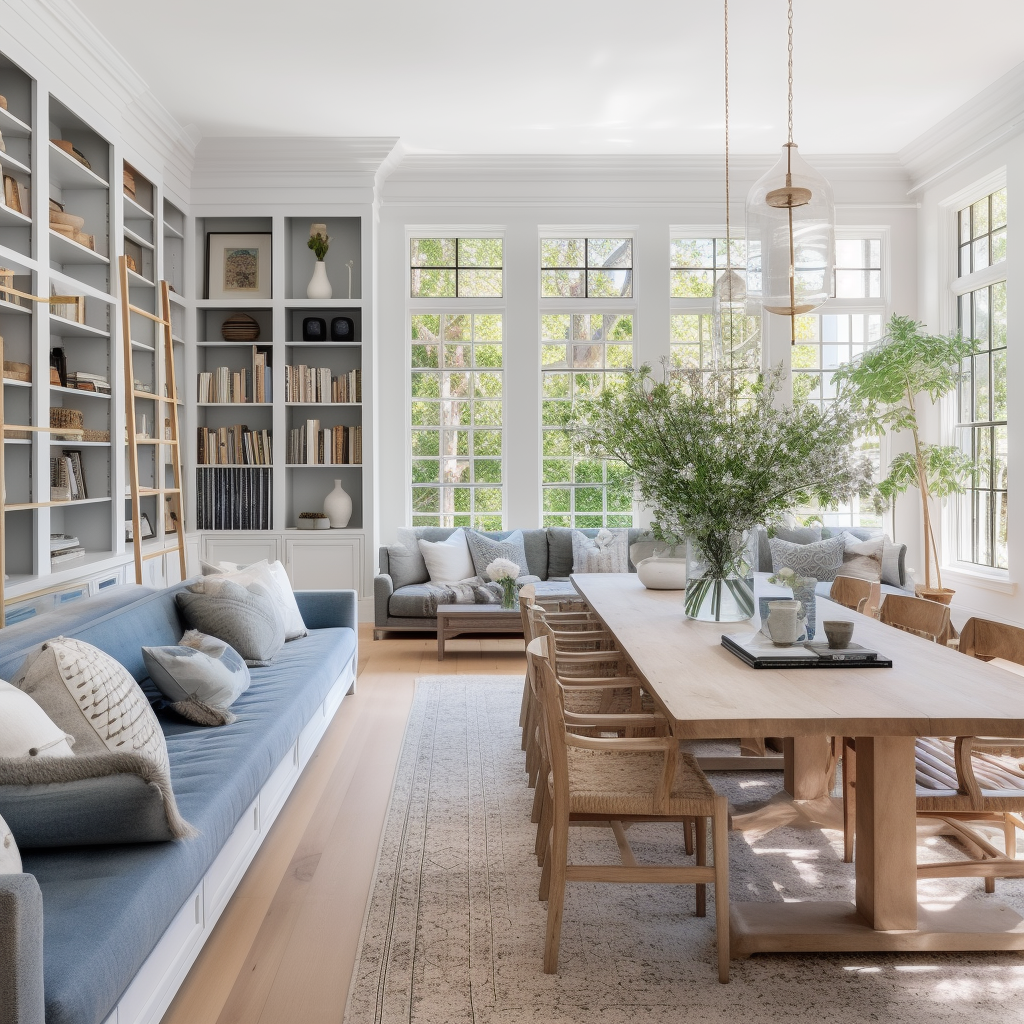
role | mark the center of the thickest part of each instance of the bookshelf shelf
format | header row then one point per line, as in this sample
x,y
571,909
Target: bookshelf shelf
x,y
67,172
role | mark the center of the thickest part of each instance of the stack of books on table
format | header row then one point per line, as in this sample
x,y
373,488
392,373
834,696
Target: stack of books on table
x,y
758,651
88,382
64,548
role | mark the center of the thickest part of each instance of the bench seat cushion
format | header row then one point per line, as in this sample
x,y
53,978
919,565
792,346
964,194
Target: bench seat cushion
x,y
106,907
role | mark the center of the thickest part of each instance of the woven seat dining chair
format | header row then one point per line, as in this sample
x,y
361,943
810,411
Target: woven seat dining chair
x,y
621,780
963,780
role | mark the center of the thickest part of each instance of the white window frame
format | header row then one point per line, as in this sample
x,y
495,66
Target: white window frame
x,y
414,306
954,286
554,305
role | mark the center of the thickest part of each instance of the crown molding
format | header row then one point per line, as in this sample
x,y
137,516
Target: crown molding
x,y
986,120
255,162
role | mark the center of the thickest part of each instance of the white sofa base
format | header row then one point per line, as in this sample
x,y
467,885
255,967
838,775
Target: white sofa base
x,y
151,990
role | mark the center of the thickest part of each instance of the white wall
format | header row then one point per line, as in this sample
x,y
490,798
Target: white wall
x,y
648,195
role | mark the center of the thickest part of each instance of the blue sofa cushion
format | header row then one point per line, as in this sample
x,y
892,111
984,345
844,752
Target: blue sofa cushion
x,y
105,908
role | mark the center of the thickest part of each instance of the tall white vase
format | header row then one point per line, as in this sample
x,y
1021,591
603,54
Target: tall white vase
x,y
338,507
319,287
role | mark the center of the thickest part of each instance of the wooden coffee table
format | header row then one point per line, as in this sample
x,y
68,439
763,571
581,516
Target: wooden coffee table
x,y
458,619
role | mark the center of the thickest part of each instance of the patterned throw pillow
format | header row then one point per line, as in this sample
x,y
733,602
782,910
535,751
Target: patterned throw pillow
x,y
486,549
823,560
607,552
201,677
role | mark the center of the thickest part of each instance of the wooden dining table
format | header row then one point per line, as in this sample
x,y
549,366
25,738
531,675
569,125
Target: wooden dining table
x,y
708,693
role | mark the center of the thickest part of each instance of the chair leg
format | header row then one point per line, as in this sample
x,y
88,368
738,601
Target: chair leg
x,y
1009,836
557,856
720,851
849,798
702,859
545,874
525,704
688,836
539,793
990,884
544,828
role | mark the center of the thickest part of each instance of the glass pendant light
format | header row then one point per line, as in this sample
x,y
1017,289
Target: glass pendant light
x,y
733,338
791,230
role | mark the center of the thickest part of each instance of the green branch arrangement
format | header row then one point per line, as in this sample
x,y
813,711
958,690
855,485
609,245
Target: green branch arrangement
x,y
883,386
319,244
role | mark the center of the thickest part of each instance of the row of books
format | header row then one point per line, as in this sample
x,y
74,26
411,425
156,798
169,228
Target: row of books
x,y
233,446
316,384
224,385
88,382
311,445
234,499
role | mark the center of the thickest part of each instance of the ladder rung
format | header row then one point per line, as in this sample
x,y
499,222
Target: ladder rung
x,y
155,398
151,316
157,490
146,555
152,440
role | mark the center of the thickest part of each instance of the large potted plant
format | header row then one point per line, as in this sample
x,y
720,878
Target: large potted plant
x,y
713,456
885,385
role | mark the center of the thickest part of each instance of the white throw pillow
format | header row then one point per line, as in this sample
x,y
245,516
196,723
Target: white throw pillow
x,y
10,858
448,561
607,552
862,559
26,730
274,578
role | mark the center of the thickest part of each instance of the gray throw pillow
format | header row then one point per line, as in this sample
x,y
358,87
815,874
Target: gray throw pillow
x,y
95,800
405,561
798,534
245,618
485,550
201,677
822,560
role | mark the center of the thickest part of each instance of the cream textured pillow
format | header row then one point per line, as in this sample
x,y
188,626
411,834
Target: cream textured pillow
x,y
26,729
607,552
10,858
448,561
862,559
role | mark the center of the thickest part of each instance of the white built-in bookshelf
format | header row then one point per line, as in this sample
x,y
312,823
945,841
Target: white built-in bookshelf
x,y
67,171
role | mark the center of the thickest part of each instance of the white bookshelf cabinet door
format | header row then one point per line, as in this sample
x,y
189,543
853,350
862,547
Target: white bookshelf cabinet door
x,y
240,548
329,564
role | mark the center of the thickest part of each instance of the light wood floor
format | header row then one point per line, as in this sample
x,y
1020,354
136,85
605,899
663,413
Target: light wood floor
x,y
284,949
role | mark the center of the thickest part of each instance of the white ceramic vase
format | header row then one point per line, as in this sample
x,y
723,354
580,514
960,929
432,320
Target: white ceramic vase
x,y
662,573
338,507
319,287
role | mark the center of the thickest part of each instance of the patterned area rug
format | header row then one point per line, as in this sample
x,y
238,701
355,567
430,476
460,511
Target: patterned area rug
x,y
455,933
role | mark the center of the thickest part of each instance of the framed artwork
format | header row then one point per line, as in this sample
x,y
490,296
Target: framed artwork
x,y
145,526
238,266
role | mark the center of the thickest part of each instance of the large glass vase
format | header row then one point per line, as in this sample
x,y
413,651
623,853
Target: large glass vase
x,y
720,577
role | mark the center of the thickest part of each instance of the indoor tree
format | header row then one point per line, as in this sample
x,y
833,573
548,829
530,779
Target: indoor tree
x,y
885,385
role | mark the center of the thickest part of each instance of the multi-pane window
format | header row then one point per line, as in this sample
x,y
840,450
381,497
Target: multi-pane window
x,y
581,353
455,268
692,345
696,262
858,268
981,230
456,370
981,427
586,268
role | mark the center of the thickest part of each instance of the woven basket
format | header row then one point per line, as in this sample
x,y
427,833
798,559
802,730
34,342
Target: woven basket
x,y
95,435
240,327
70,418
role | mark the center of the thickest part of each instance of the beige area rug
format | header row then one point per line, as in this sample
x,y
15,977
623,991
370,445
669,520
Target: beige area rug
x,y
454,930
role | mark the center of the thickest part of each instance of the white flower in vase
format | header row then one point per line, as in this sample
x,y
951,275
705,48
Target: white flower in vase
x,y
506,572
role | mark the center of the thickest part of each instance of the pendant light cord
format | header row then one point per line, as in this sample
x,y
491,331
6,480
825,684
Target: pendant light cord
x,y
728,233
790,71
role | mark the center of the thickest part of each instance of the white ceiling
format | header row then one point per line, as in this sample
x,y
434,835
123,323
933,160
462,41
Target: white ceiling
x,y
551,76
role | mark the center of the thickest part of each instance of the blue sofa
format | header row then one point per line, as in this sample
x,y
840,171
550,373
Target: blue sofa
x,y
121,925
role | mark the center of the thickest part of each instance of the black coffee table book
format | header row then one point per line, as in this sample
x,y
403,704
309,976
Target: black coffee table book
x,y
759,652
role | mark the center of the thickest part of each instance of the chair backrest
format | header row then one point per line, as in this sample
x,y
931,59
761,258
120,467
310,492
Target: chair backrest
x,y
849,591
552,719
916,615
984,639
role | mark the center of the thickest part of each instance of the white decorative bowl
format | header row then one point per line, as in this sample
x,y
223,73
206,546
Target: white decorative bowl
x,y
661,573
313,524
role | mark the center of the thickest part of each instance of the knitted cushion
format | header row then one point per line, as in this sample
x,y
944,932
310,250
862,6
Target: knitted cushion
x,y
822,560
485,550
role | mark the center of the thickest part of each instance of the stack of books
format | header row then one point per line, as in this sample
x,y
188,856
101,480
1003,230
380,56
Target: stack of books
x,y
88,382
316,384
261,380
64,548
234,499
312,445
233,446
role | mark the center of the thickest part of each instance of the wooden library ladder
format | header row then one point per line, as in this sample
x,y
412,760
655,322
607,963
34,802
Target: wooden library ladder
x,y
170,401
